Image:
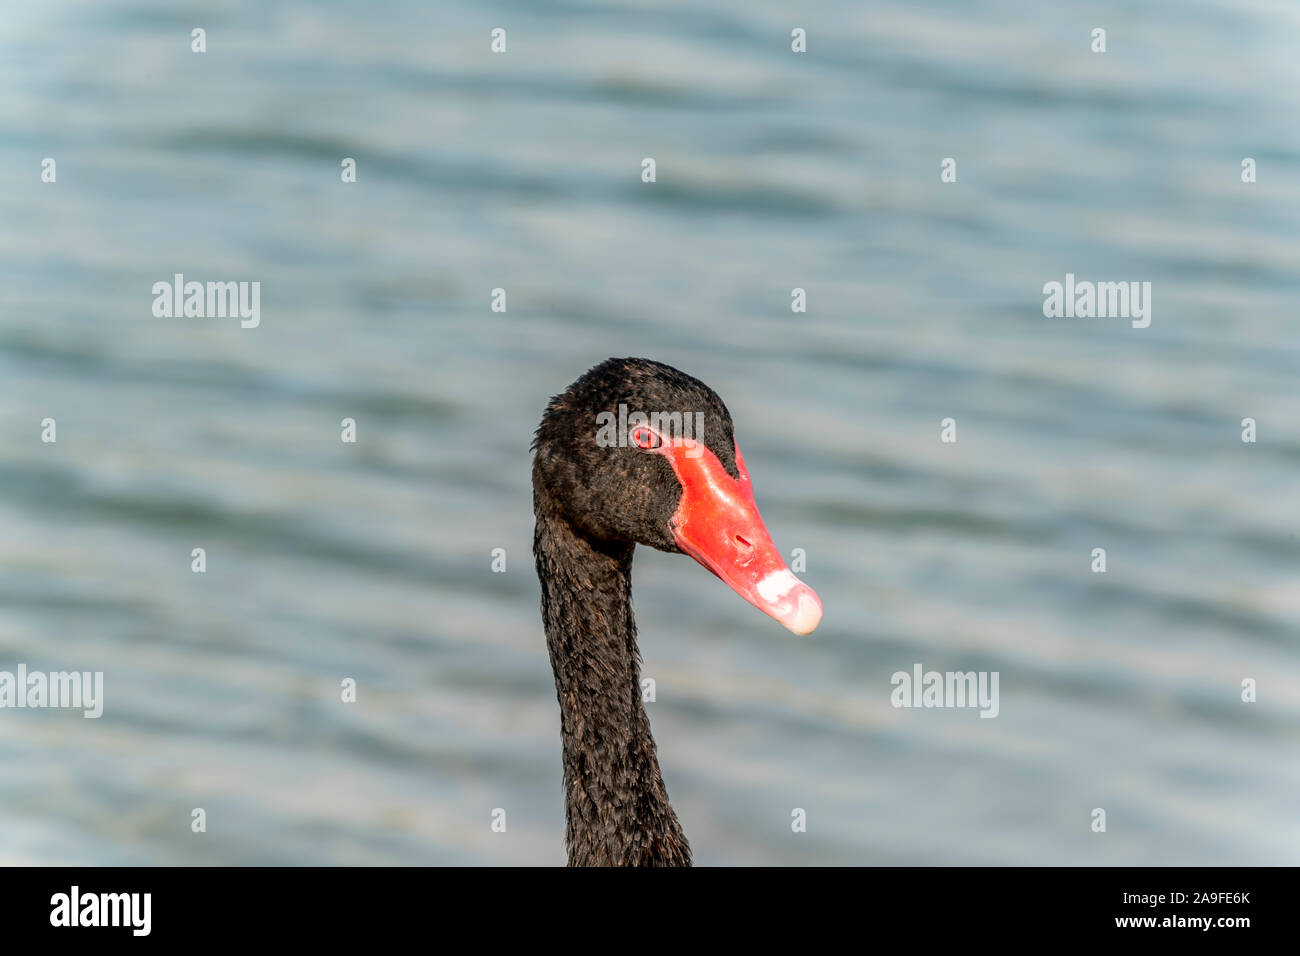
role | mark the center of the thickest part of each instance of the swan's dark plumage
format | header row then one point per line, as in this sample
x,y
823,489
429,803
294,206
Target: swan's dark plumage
x,y
592,505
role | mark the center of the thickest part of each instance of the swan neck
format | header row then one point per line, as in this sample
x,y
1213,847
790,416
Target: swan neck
x,y
616,804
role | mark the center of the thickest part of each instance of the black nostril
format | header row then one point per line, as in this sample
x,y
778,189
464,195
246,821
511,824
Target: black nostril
x,y
743,544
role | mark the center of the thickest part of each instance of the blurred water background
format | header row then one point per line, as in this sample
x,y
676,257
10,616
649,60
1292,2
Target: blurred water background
x,y
775,171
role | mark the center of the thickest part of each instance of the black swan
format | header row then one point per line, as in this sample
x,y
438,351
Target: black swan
x,y
594,499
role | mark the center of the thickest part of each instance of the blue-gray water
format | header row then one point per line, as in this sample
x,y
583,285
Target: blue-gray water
x,y
775,170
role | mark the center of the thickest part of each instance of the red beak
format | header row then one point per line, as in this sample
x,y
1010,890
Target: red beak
x,y
718,524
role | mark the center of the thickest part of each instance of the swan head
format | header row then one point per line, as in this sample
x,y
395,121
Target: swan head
x,y
637,451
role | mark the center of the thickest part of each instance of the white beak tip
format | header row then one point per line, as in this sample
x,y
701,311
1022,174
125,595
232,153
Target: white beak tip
x,y
808,615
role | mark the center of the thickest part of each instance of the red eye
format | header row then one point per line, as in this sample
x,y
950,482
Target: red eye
x,y
644,437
